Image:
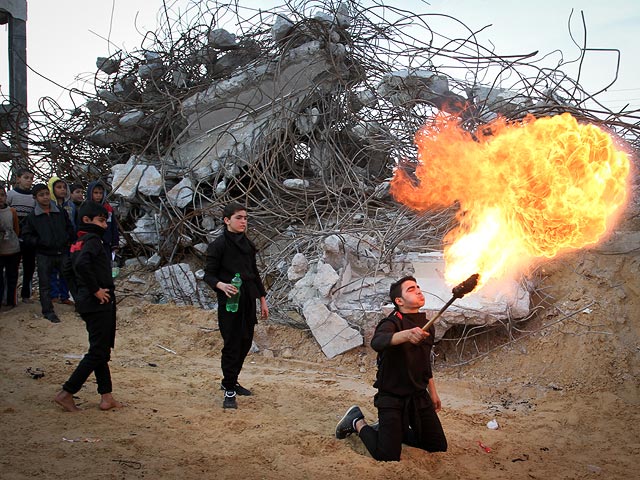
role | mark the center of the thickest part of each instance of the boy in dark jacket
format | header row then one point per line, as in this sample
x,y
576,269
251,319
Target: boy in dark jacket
x,y
231,253
60,196
76,197
407,399
49,231
93,287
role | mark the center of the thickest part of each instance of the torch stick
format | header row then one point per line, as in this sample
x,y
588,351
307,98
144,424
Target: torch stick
x,y
458,291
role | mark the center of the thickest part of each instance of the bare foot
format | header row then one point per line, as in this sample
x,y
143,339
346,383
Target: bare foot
x,y
65,400
107,402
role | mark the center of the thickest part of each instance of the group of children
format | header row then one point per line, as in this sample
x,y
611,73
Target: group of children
x,y
38,224
70,241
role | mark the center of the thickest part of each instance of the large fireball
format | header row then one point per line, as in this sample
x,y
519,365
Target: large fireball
x,y
526,191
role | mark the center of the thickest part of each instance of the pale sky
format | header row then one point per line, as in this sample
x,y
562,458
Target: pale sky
x,y
65,36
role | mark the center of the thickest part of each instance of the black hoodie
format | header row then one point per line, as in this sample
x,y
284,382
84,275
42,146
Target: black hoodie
x,y
404,369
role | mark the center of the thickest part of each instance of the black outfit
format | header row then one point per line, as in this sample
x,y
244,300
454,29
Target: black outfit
x,y
9,267
227,255
28,257
406,413
92,271
50,234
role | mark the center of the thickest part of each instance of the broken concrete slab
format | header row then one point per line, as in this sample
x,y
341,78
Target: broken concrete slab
x,y
151,182
295,183
326,277
108,65
179,283
230,115
281,28
132,178
131,118
182,194
125,180
303,290
147,228
222,39
298,268
333,333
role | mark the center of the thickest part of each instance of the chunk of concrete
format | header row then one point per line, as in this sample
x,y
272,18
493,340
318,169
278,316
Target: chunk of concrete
x,y
326,277
151,182
131,118
295,183
108,65
182,194
281,28
332,332
180,284
226,119
146,230
221,39
298,268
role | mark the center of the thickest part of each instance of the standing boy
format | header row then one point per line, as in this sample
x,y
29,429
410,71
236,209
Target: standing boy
x,y
48,230
96,193
60,196
76,197
9,250
232,252
22,200
407,399
96,304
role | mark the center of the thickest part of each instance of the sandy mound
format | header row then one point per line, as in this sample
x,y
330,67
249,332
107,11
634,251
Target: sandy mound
x,y
564,391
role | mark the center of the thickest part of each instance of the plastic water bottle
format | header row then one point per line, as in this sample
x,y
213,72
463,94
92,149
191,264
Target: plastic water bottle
x,y
232,302
115,270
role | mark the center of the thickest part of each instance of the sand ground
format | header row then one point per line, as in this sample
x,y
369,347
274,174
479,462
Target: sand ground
x,y
565,396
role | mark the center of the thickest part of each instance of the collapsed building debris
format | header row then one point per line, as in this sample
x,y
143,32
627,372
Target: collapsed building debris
x,y
302,116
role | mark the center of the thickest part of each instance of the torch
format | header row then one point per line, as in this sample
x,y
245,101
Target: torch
x,y
458,291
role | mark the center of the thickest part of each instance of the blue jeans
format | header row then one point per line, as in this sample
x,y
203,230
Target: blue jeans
x,y
58,286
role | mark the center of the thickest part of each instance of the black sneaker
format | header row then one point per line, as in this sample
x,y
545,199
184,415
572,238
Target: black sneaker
x,y
52,317
239,389
347,424
229,399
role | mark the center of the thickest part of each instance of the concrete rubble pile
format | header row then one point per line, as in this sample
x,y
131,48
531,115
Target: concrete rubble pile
x,y
282,126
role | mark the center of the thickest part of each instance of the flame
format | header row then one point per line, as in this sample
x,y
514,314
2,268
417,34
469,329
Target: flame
x,y
526,191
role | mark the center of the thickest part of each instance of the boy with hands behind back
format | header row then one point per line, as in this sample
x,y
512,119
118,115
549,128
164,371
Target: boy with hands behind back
x,y
93,288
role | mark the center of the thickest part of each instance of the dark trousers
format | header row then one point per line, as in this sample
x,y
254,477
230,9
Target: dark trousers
x,y
101,327
47,264
28,256
403,421
9,265
236,330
